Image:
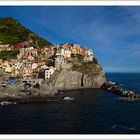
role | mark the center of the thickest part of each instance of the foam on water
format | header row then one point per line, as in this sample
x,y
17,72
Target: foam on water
x,y
124,127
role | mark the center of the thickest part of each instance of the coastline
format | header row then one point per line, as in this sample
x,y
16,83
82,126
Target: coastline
x,y
31,99
17,93
37,98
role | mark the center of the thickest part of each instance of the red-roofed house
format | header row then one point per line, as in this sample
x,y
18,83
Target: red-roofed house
x,y
19,46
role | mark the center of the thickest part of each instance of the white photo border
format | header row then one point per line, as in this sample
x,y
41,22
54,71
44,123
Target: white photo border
x,y
69,3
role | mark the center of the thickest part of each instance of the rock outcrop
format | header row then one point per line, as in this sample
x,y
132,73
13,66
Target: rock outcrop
x,y
115,88
79,76
18,94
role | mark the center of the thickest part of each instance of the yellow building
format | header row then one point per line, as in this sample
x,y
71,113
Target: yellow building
x,y
67,54
7,67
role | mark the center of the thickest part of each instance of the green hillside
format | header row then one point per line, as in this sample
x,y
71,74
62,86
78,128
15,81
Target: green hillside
x,y
12,32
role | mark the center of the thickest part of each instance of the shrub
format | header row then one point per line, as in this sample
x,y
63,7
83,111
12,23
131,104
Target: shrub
x,y
95,61
8,54
79,57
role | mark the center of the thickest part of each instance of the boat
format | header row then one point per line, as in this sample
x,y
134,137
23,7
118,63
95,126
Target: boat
x,y
67,98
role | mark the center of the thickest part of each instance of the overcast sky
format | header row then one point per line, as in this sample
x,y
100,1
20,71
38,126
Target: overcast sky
x,y
112,32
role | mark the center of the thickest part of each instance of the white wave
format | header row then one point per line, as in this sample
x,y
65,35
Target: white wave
x,y
124,127
68,98
7,103
121,84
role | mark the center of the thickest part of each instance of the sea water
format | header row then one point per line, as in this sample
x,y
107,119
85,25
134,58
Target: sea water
x,y
92,111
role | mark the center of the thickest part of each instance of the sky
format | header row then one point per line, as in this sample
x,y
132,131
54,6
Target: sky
x,y
112,32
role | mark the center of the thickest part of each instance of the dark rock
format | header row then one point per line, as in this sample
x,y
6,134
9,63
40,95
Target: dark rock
x,y
115,89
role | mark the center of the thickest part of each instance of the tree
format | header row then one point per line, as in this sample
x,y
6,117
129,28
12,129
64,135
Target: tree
x,y
95,61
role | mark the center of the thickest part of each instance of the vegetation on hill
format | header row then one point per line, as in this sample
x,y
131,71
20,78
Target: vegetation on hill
x,y
12,32
5,55
95,61
89,68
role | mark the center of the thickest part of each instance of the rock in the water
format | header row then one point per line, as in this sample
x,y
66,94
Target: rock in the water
x,y
113,88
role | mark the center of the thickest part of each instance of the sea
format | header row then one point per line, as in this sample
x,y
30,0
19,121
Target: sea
x,y
90,111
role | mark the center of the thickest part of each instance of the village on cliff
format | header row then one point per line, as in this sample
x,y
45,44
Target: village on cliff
x,y
33,64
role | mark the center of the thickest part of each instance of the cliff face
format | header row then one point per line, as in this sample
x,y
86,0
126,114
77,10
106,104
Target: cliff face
x,y
90,75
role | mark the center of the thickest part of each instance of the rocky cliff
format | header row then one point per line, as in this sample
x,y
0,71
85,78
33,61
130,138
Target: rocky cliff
x,y
78,76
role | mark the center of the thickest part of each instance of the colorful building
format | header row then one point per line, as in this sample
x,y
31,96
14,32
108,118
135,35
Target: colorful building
x,y
67,54
26,72
7,67
5,47
58,52
16,67
34,66
48,72
82,52
60,60
88,55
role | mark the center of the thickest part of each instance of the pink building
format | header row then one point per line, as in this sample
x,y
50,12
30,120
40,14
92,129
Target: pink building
x,y
26,72
1,61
